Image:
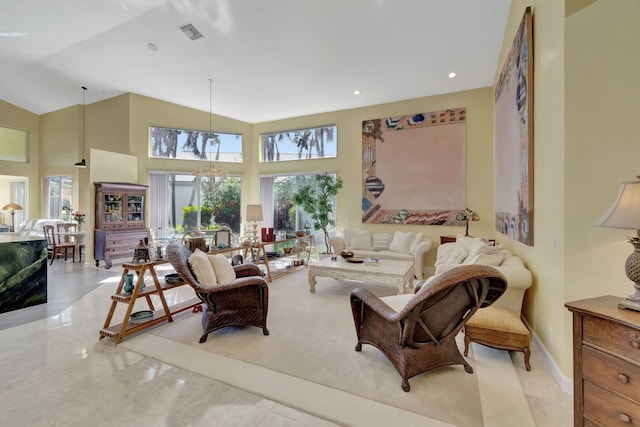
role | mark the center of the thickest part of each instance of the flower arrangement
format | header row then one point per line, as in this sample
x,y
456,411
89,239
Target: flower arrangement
x,y
79,217
466,216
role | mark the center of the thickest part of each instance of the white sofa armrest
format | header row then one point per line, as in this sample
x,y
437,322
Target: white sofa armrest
x,y
421,249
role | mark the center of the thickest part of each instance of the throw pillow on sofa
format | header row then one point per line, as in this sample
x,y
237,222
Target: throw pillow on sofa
x,y
360,239
492,260
401,242
381,241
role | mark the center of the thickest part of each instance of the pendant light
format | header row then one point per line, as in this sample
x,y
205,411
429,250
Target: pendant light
x,y
82,163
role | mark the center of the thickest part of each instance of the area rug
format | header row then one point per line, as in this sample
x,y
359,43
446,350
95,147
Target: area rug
x,y
313,338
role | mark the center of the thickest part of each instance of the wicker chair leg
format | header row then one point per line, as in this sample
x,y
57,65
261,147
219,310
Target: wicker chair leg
x,y
203,338
405,385
265,331
468,368
359,347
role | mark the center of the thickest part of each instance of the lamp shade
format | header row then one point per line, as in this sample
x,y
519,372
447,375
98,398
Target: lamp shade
x,y
625,211
254,212
12,207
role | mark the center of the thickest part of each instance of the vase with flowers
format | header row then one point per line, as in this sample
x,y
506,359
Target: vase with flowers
x,y
466,216
79,218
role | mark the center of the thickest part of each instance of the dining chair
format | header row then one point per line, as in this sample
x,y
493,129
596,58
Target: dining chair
x,y
55,248
64,228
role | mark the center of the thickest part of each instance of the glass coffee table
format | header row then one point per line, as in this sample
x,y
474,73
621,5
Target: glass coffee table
x,y
384,272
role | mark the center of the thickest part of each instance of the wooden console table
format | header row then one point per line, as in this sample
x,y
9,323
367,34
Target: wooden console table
x,y
260,254
121,330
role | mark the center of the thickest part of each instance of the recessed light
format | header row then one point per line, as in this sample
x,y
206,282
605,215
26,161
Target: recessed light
x,y
151,45
356,92
452,75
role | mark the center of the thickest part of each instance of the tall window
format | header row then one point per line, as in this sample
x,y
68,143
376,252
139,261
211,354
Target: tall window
x,y
300,144
182,202
169,143
279,211
57,204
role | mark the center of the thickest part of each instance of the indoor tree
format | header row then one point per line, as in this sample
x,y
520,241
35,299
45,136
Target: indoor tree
x,y
317,200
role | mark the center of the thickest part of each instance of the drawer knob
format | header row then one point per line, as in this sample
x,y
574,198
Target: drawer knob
x,y
624,418
623,378
635,344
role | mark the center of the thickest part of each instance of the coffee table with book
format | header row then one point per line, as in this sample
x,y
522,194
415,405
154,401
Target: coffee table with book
x,y
387,272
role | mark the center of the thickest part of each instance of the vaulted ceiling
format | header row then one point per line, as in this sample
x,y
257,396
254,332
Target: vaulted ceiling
x,y
269,59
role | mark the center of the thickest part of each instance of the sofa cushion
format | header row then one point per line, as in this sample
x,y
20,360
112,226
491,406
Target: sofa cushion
x,y
381,241
360,239
393,255
457,255
223,268
493,260
401,242
202,268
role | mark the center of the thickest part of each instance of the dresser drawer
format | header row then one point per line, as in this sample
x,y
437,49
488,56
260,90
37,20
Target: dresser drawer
x,y
611,373
615,337
608,408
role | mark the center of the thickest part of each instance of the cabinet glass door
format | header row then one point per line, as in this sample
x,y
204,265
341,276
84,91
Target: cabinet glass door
x,y
135,208
113,208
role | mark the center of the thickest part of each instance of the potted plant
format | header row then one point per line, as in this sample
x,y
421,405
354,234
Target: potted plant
x,y
317,200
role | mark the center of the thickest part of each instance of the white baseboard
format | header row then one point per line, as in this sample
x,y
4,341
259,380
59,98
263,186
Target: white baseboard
x,y
565,383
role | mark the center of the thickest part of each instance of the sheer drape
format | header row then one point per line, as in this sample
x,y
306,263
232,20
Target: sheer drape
x,y
159,198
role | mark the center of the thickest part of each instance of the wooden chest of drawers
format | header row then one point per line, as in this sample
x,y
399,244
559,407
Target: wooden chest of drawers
x,y
606,368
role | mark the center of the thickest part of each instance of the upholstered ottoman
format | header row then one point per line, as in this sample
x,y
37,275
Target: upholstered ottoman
x,y
499,328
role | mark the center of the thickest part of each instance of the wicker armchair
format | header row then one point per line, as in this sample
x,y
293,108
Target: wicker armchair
x,y
419,334
242,302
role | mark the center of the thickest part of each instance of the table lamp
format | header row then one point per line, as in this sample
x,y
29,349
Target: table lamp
x,y
625,213
13,207
254,214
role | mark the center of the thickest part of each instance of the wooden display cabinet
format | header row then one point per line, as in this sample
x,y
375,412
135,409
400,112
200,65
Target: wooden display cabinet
x,y
120,220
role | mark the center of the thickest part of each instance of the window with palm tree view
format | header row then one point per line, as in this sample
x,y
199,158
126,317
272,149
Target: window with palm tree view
x,y
300,144
186,144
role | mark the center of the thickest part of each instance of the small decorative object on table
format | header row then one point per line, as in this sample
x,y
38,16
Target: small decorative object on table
x,y
466,216
79,217
346,254
141,316
141,253
128,284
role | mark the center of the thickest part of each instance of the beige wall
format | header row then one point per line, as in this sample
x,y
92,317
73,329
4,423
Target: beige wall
x,y
602,146
17,118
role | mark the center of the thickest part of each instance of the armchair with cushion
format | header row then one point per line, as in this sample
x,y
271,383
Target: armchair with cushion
x,y
233,295
499,326
417,331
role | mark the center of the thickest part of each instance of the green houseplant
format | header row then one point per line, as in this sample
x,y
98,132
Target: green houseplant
x,y
317,200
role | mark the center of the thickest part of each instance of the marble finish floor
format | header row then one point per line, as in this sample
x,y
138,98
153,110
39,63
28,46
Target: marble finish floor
x,y
56,372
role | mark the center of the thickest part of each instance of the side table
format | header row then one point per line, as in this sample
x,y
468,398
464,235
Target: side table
x,y
121,330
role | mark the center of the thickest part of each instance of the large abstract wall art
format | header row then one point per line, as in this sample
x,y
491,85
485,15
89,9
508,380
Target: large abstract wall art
x,y
413,168
514,138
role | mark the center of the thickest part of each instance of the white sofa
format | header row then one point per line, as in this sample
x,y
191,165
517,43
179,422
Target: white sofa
x,y
33,227
399,245
470,250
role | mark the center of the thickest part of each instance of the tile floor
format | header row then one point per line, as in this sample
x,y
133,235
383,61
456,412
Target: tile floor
x,y
56,372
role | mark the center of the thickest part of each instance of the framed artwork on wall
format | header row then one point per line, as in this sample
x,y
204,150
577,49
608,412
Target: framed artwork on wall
x,y
413,168
514,138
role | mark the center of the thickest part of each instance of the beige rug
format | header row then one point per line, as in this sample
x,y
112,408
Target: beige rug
x,y
313,338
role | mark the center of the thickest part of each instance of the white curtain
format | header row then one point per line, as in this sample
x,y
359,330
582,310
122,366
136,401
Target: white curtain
x,y
159,202
266,200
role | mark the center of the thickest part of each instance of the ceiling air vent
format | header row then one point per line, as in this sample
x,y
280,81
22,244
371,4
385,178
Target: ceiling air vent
x,y
191,31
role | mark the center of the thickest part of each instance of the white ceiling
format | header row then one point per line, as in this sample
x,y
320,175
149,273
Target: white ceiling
x,y
269,59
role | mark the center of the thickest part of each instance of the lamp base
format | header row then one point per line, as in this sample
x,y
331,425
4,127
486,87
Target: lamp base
x,y
629,305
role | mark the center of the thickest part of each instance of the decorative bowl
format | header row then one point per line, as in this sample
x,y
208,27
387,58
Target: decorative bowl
x,y
299,233
346,254
141,316
287,250
172,279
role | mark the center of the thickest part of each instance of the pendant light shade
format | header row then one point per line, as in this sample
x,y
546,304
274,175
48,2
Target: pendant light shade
x,y
82,163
